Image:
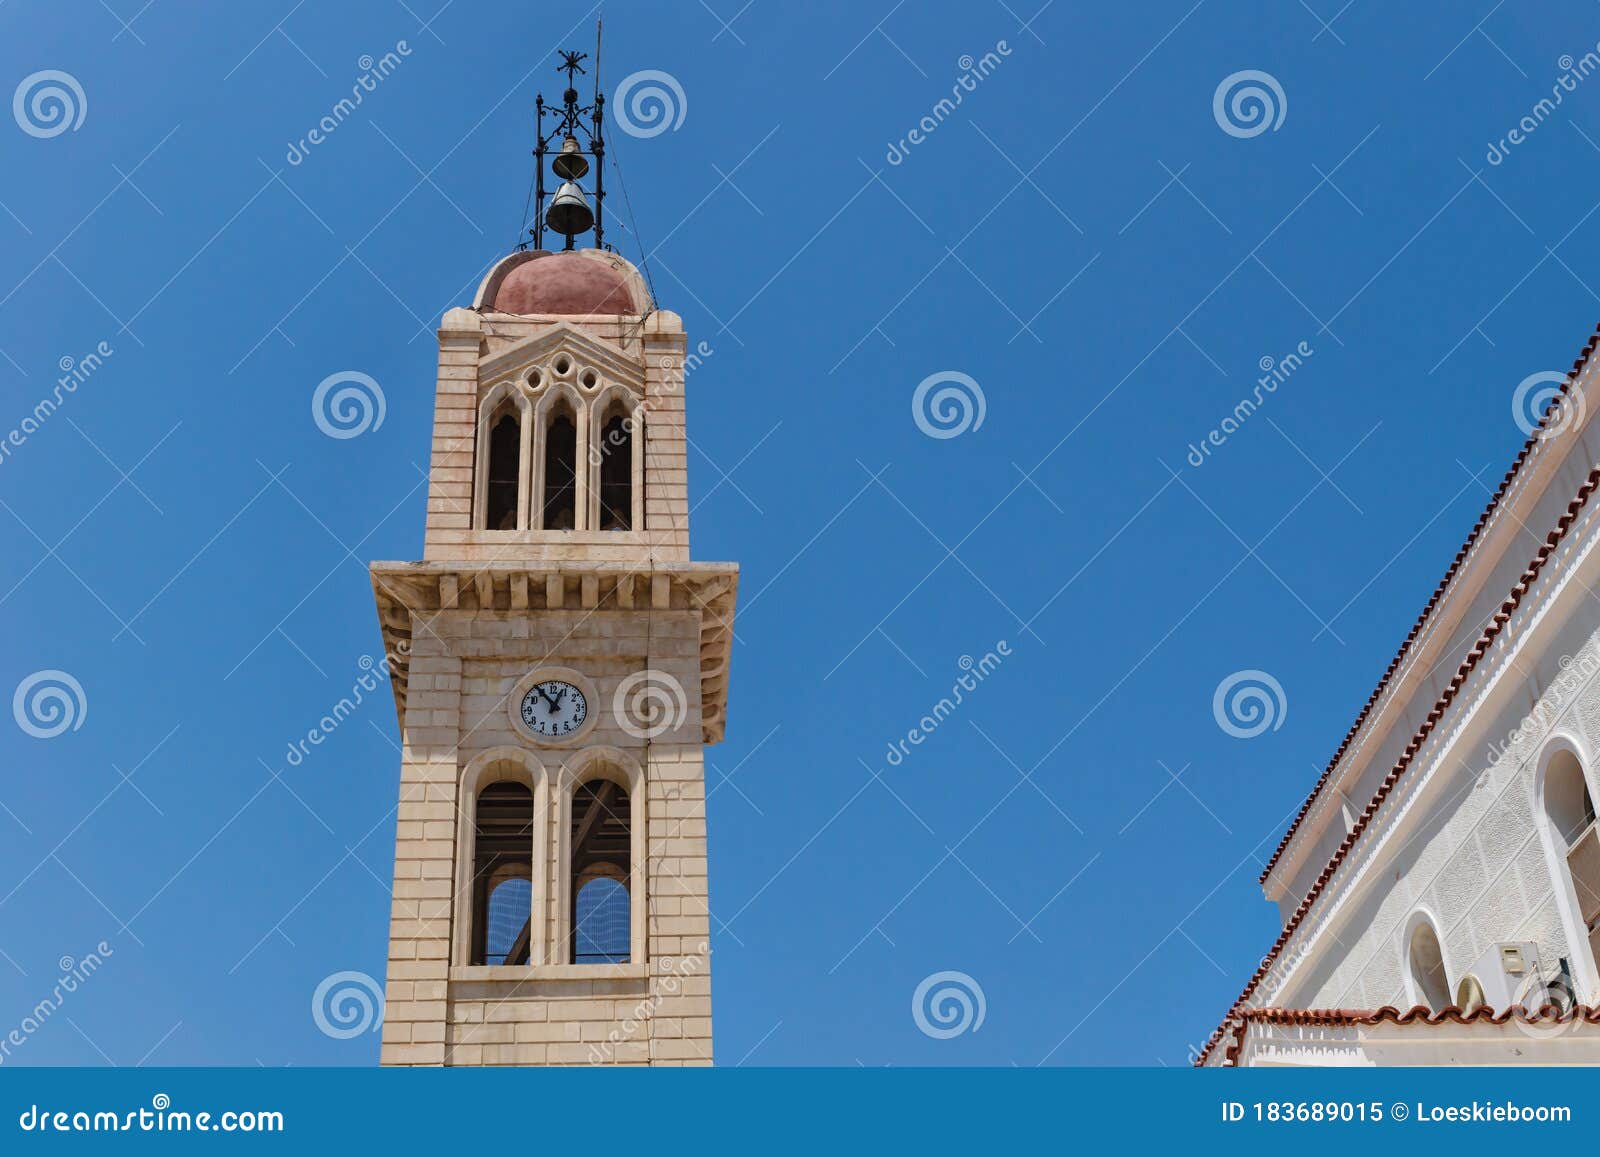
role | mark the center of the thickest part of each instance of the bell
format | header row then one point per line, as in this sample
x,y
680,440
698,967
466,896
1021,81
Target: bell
x,y
569,164
569,213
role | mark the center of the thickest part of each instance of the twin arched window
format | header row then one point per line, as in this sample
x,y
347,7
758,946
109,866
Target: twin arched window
x,y
562,466
598,909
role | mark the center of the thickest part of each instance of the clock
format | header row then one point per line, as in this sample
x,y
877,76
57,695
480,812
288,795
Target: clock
x,y
553,709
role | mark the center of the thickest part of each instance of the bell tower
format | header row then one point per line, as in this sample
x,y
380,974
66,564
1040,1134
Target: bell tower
x,y
558,664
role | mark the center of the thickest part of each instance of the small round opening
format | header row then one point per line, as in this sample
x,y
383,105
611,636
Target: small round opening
x,y
562,365
590,379
535,379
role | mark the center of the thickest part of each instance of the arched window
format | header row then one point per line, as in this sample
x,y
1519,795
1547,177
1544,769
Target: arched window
x,y
1570,812
505,472
502,878
616,471
560,471
600,864
600,922
510,902
1425,963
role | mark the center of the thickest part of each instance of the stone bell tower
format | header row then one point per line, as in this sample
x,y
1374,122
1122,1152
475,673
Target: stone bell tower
x,y
558,665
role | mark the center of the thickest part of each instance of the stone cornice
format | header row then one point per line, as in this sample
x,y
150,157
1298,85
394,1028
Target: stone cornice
x,y
405,589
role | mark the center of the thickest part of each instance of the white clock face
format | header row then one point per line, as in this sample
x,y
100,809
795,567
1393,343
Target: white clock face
x,y
553,709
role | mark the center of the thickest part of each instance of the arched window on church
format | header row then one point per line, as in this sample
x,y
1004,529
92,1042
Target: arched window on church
x,y
616,470
1425,966
560,471
502,877
505,470
1570,812
601,860
600,924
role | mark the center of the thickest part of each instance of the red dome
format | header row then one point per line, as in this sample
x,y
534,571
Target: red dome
x,y
564,283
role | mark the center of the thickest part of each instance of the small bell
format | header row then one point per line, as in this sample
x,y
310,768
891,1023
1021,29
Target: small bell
x,y
570,164
569,213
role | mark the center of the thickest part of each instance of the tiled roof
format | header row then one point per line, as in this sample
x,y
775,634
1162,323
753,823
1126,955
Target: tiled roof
x,y
1496,625
1355,1018
1433,602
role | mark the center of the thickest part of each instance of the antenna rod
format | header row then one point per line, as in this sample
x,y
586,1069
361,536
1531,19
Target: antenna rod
x,y
598,144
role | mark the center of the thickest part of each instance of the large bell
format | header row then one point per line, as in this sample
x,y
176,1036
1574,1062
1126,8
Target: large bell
x,y
570,164
569,213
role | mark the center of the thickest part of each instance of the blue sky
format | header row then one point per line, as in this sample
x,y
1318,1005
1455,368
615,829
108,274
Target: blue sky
x,y
1080,237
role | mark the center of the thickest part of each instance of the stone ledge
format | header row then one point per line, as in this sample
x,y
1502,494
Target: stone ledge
x,y
405,589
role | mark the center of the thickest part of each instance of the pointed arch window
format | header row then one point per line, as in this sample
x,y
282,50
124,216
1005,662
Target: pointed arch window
x,y
504,477
616,469
502,875
560,490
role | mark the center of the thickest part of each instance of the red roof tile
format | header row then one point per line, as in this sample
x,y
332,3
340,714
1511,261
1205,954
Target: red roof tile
x,y
1353,1018
1496,625
1427,611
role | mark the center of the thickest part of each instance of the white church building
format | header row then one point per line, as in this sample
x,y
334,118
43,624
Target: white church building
x,y
1439,890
